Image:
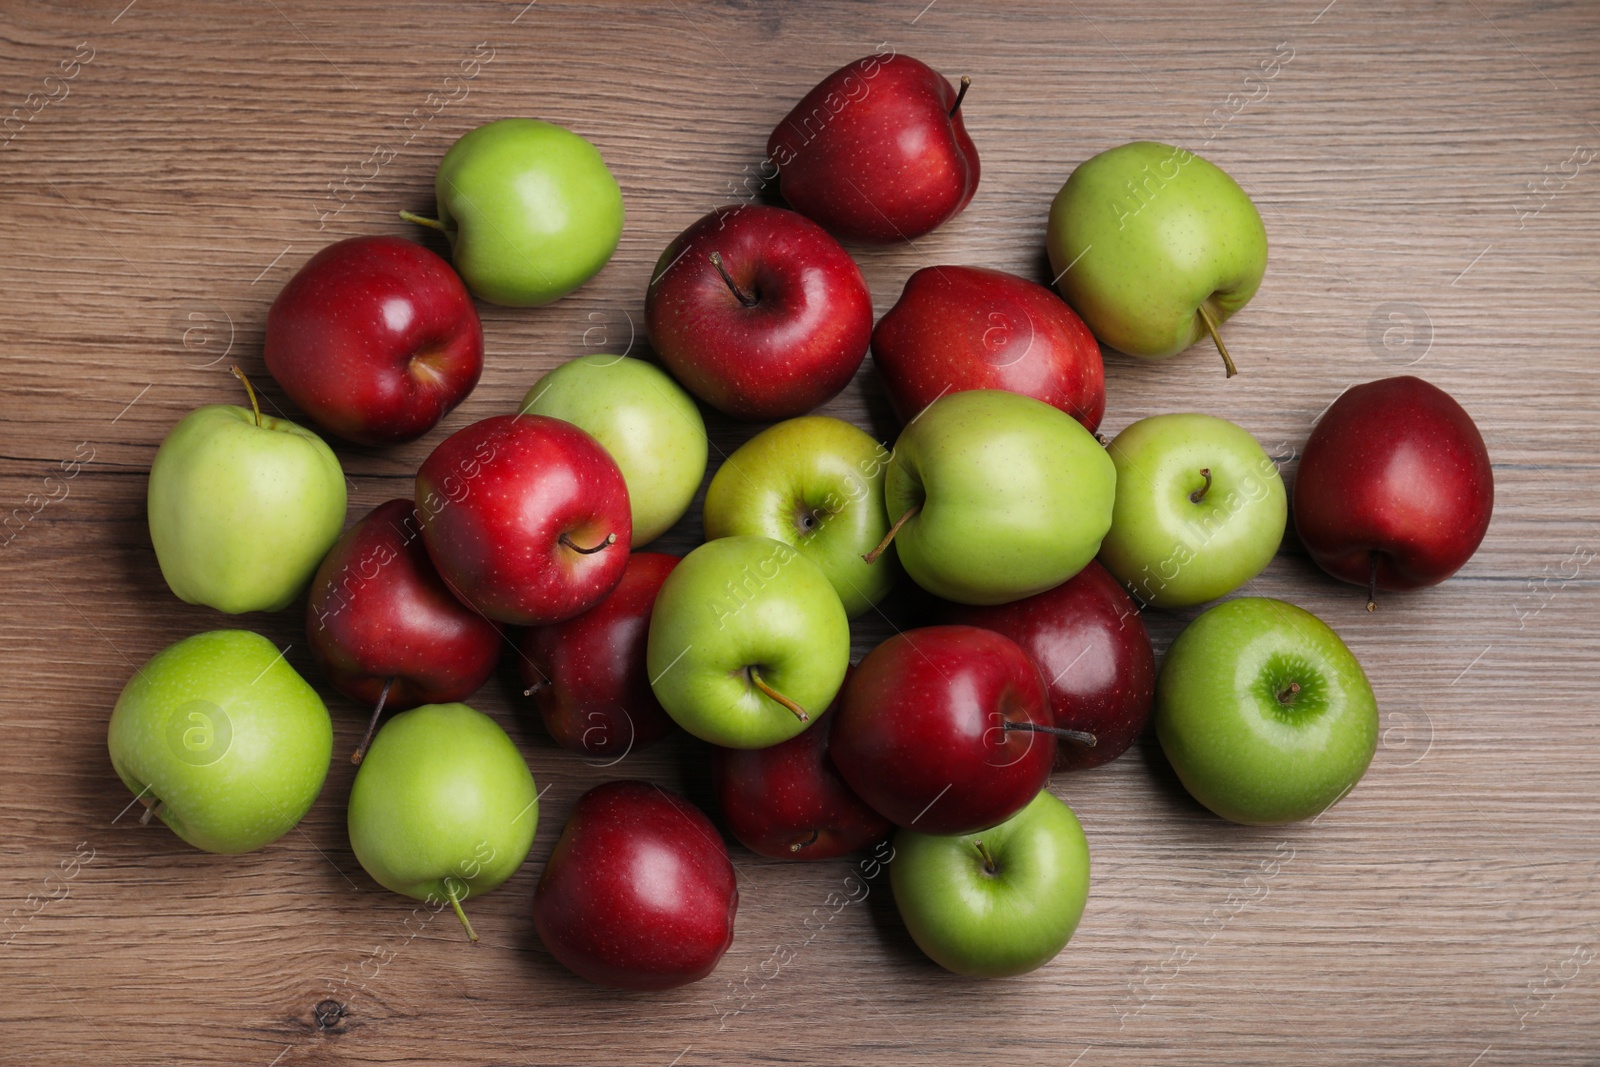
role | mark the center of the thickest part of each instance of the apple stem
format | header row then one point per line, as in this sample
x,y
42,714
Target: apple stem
x,y
1082,737
1286,696
372,724
248,388
1211,328
535,687
883,546
610,540
1372,581
989,865
799,712
798,845
150,812
455,902
423,220
1200,493
744,298
961,94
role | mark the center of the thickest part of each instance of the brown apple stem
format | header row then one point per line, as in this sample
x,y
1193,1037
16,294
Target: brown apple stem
x,y
1211,328
883,546
535,687
248,388
760,683
1372,581
423,220
961,94
798,845
1286,696
743,297
989,865
372,724
1082,737
455,902
610,540
151,810
1200,493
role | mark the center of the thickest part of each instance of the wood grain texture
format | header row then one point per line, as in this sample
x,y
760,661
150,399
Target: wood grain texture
x,y
1445,913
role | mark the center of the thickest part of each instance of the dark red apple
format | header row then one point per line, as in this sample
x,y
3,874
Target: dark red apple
x,y
758,312
588,675
639,892
1091,647
877,151
376,339
945,730
526,518
1394,489
959,328
384,627
788,802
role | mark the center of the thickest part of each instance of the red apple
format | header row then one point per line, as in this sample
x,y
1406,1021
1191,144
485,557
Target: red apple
x,y
945,730
588,674
639,892
877,151
959,328
758,312
1091,647
788,802
384,627
376,339
526,517
1394,489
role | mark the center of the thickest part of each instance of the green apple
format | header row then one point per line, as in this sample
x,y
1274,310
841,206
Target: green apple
x,y
996,496
815,483
443,806
999,902
1155,248
748,642
644,419
242,507
1264,713
530,209
1200,509
222,739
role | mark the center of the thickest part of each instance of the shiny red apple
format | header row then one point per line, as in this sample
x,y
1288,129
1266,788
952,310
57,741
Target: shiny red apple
x,y
376,339
639,892
877,151
526,518
959,328
788,802
587,674
1394,489
945,730
758,312
384,627
1091,647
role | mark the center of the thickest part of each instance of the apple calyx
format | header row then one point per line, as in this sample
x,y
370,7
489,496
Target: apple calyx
x,y
1287,694
423,220
1200,493
1216,338
760,683
883,546
1081,737
747,299
961,94
455,902
798,845
249,389
989,865
1372,581
566,540
372,724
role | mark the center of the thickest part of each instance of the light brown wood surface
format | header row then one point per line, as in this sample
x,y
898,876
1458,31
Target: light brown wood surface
x,y
1445,913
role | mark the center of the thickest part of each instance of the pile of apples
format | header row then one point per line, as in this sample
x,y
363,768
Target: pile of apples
x,y
1026,530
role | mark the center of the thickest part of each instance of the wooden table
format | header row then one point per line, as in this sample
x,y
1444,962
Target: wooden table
x,y
1425,172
